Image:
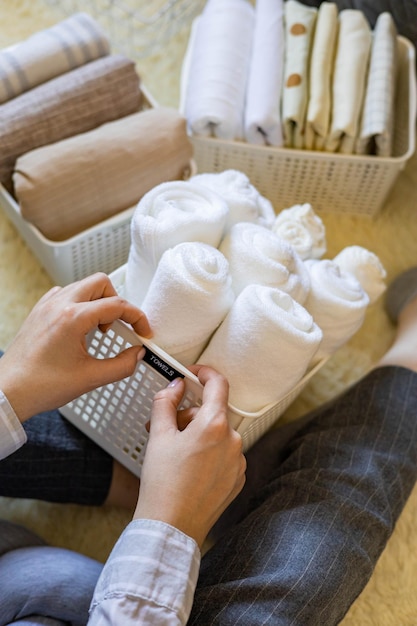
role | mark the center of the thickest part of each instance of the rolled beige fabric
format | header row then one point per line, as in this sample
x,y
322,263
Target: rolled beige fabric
x,y
76,102
66,187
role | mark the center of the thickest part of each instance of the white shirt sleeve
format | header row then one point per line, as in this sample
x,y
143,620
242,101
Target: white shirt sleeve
x,y
149,578
12,435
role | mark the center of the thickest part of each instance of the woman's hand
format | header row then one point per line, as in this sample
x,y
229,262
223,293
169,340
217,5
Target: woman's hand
x,y
47,364
194,466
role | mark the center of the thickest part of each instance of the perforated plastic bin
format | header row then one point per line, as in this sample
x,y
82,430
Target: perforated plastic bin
x,y
115,415
103,247
330,182
136,27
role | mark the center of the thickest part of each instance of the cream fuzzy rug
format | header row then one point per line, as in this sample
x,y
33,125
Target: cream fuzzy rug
x,y
390,598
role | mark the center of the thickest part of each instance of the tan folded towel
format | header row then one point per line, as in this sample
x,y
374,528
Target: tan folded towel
x,y
53,51
71,185
321,75
76,102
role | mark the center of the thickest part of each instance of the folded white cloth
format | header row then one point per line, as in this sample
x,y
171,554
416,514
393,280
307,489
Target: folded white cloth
x,y
49,53
216,69
378,115
263,347
299,31
337,302
301,227
167,215
257,256
349,80
321,75
245,202
366,267
263,95
189,296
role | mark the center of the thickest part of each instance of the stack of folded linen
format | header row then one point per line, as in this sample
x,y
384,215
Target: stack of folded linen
x,y
292,75
78,141
236,294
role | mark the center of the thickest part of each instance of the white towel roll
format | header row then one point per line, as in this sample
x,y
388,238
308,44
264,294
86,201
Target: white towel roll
x,y
366,267
245,202
169,214
189,296
49,53
301,227
263,347
257,256
217,69
263,95
337,303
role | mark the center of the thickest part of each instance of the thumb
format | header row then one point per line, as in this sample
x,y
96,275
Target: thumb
x,y
165,406
118,367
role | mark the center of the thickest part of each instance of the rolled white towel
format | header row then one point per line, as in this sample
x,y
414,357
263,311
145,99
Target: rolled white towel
x,y
263,347
217,67
263,95
189,296
257,256
337,302
366,267
245,202
303,229
169,214
49,53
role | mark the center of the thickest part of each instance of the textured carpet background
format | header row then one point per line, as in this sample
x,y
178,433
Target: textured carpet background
x,y
390,598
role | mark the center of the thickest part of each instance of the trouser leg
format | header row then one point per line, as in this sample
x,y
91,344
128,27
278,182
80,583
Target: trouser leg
x,y
318,525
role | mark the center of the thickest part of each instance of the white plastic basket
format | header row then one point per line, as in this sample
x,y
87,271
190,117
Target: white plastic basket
x,y
104,247
115,415
137,28
329,182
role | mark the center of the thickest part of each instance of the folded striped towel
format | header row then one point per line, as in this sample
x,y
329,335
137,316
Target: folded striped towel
x,y
349,81
321,75
378,116
68,186
337,302
189,296
244,201
366,267
169,214
262,121
257,256
216,69
73,42
263,347
76,102
299,31
303,229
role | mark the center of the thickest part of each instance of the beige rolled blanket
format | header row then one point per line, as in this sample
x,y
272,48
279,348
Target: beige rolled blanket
x,y
76,102
66,187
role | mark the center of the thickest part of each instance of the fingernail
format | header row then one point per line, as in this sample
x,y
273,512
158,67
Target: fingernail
x,y
174,382
141,354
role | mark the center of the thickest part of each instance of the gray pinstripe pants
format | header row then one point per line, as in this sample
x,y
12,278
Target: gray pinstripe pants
x,y
321,501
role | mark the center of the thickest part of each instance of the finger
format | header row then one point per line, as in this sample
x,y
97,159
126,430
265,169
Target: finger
x,y
185,416
216,388
117,367
92,287
165,406
105,311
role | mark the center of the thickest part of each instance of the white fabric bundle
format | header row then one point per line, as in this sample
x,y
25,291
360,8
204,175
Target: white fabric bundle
x,y
50,52
263,96
337,302
190,294
257,256
366,267
216,68
349,80
299,31
303,229
245,202
378,115
169,214
321,75
263,347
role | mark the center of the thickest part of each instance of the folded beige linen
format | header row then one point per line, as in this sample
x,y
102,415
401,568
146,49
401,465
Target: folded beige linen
x,y
66,187
48,53
76,102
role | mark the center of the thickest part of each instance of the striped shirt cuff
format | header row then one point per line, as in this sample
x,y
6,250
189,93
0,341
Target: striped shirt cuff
x,y
12,434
